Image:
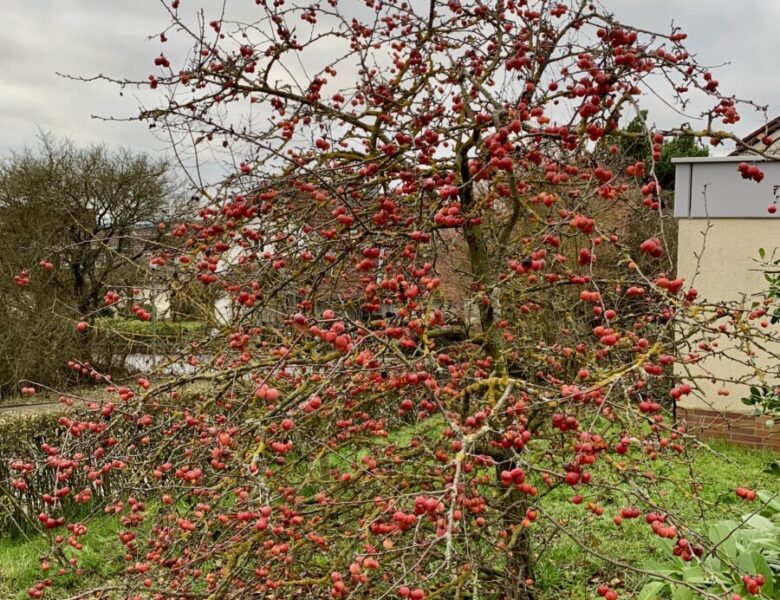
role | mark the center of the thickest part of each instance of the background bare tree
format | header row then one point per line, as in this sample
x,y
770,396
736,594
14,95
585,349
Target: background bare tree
x,y
86,217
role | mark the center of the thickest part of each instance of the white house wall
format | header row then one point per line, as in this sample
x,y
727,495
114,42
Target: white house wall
x,y
723,221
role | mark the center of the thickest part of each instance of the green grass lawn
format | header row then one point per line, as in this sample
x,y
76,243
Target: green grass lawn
x,y
100,559
564,570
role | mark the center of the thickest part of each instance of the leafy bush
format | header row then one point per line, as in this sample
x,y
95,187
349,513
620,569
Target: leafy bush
x,y
765,400
741,551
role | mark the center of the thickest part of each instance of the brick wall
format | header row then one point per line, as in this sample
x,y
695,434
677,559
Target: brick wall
x,y
742,429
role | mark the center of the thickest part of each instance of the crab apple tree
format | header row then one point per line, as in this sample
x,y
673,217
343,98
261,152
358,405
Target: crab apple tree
x,y
435,324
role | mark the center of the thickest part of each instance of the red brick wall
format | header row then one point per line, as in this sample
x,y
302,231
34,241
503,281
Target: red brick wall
x,y
745,430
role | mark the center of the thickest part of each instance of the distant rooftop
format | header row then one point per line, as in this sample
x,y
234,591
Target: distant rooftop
x,y
756,139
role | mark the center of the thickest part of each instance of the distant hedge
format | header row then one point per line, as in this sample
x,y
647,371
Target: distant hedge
x,y
136,328
122,336
21,437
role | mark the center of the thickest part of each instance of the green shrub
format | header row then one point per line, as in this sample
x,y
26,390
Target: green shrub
x,y
752,545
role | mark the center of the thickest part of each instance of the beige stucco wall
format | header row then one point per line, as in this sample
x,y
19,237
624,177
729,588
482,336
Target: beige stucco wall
x,y
722,266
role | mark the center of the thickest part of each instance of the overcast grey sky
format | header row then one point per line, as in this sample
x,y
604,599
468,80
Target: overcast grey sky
x,y
86,37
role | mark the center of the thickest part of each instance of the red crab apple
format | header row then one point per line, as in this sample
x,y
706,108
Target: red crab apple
x,y
750,172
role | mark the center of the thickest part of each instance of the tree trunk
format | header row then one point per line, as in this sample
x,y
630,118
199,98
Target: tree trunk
x,y
519,553
519,568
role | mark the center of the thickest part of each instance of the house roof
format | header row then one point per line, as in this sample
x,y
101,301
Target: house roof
x,y
754,138
771,127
